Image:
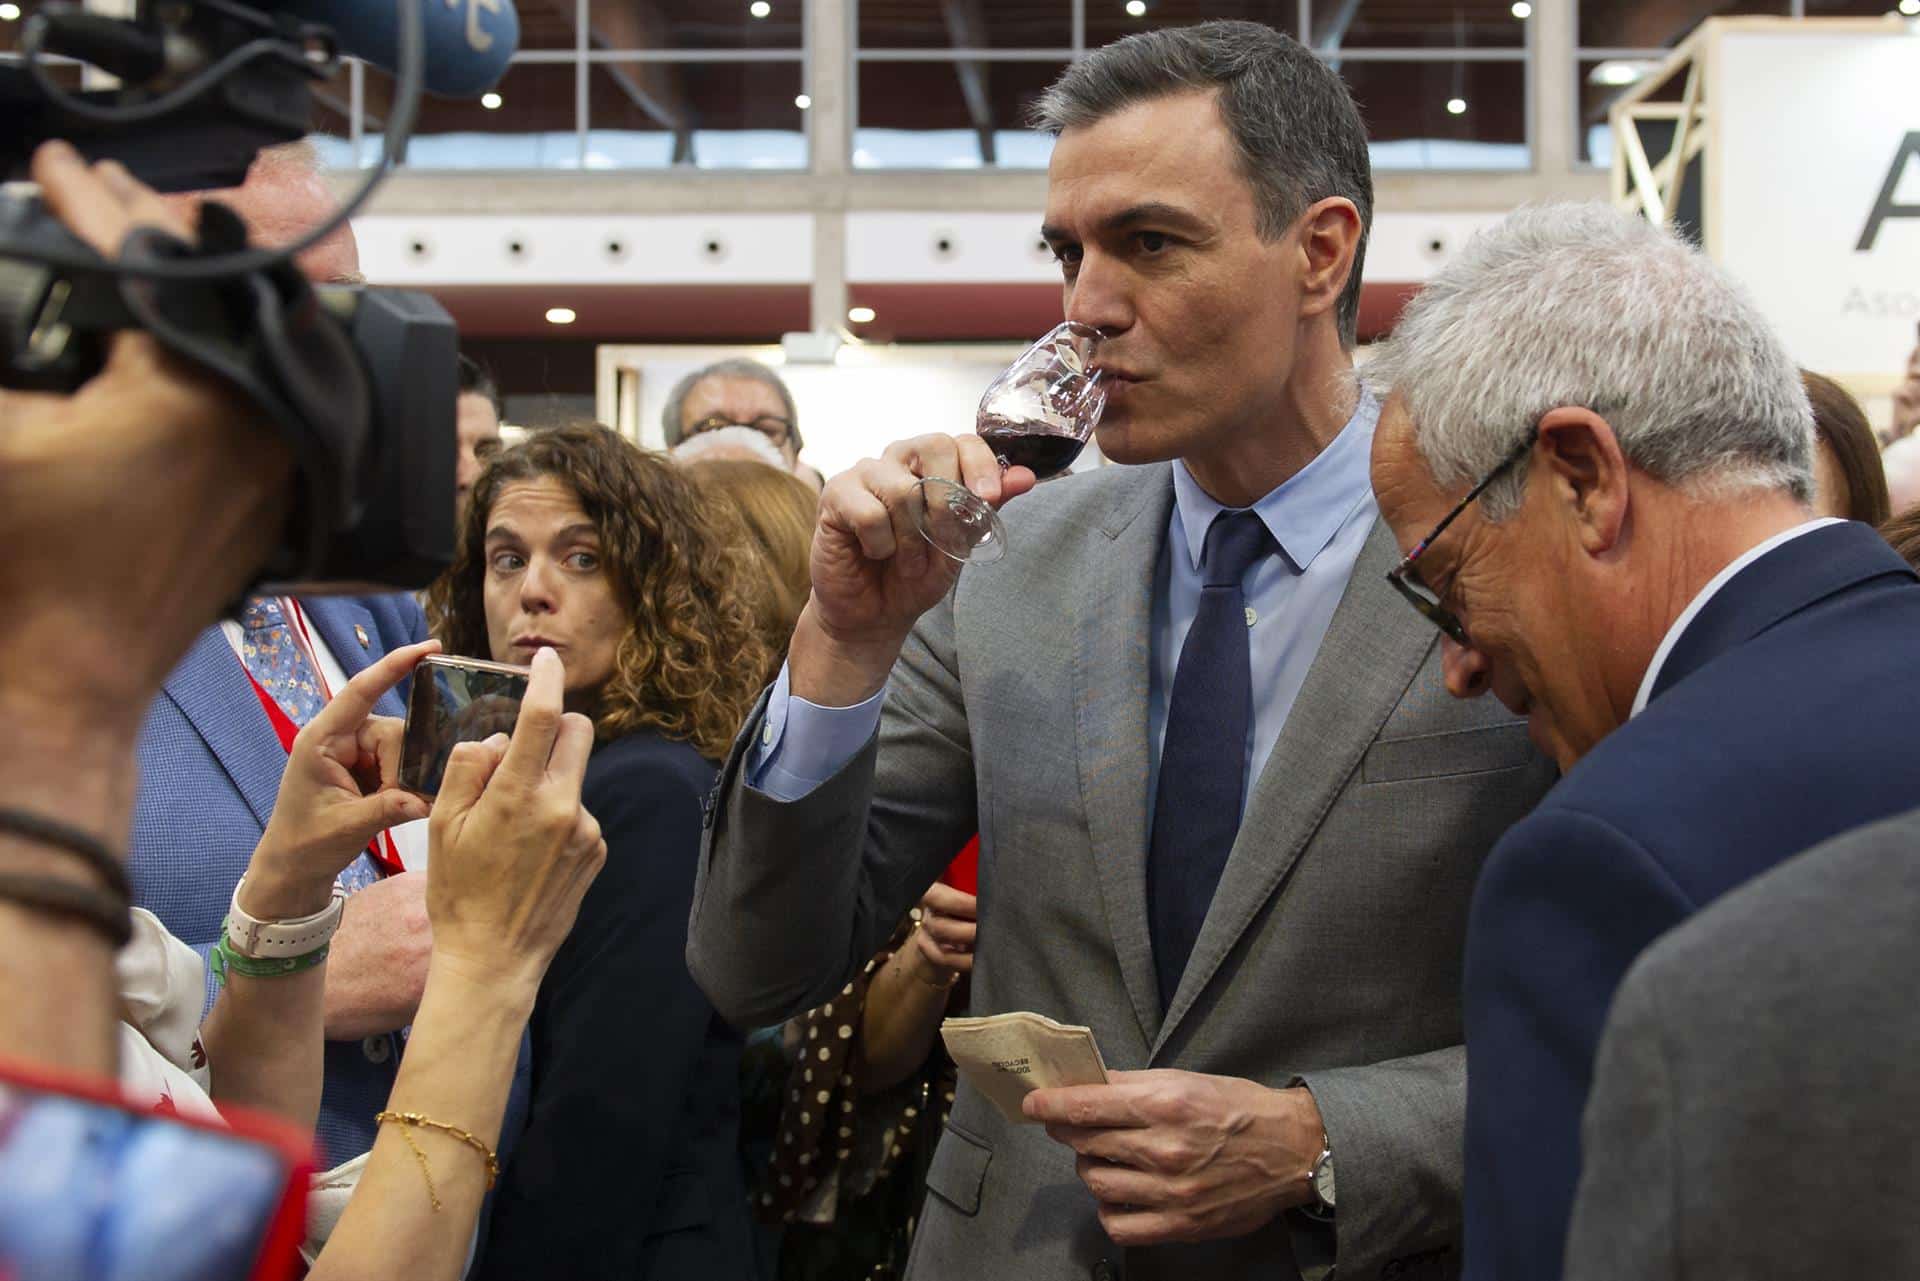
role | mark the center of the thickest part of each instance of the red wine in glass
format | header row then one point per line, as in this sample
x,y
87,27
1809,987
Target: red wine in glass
x,y
1039,414
1036,446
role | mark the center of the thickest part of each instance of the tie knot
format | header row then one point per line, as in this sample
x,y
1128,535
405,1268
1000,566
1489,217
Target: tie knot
x,y
1235,542
260,613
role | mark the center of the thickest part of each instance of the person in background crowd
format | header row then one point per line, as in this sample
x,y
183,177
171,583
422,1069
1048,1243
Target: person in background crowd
x,y
776,509
738,393
849,1199
215,744
478,411
1902,456
1599,461
1186,716
1775,1031
738,471
1849,481
1906,399
577,540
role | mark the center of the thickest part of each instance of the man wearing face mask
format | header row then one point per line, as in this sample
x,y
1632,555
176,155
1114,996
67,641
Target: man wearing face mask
x,y
1598,459
737,393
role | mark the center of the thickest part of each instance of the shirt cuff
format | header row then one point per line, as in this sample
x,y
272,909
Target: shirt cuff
x,y
803,744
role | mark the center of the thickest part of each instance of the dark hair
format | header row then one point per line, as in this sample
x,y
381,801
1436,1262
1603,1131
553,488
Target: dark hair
x,y
1298,133
476,381
736,367
693,658
1843,428
1903,535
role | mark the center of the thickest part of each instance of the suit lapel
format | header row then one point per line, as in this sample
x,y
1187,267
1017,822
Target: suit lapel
x,y
1373,648
341,621
1112,652
212,691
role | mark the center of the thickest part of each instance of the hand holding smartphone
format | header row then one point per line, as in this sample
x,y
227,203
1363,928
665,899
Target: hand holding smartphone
x,y
455,700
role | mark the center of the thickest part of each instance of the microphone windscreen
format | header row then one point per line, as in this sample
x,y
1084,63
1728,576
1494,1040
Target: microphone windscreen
x,y
468,42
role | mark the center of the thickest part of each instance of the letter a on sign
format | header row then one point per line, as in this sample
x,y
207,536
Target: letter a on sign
x,y
1884,208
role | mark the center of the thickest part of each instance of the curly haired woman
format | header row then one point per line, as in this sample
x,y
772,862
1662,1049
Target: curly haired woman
x,y
577,540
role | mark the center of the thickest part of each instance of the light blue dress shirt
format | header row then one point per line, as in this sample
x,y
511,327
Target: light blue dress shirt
x,y
1319,517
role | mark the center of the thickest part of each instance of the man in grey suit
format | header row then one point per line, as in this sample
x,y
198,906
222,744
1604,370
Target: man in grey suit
x,y
1756,1111
1229,817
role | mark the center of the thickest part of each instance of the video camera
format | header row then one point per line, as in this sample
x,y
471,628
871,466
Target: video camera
x,y
360,383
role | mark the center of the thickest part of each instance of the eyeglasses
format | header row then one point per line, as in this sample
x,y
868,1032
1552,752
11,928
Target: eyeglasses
x,y
772,426
1407,582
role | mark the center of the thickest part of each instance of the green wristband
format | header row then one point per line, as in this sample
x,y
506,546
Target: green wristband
x,y
224,960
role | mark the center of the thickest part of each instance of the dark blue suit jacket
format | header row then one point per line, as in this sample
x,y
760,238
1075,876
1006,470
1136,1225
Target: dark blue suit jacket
x,y
1784,715
210,766
629,1169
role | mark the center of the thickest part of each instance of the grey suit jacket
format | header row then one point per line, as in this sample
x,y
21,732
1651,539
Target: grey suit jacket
x,y
1331,952
1756,1108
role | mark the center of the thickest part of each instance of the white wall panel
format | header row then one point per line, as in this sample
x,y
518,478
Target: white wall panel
x,y
933,248
658,249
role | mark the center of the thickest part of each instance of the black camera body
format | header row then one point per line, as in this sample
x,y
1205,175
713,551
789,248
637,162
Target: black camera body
x,y
359,383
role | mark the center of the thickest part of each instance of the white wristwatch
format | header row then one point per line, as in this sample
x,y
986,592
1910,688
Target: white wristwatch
x,y
275,940
1320,1177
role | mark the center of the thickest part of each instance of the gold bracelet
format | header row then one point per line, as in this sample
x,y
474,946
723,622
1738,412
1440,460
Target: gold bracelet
x,y
407,1120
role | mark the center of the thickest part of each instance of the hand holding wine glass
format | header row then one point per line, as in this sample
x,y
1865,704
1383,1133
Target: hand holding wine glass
x,y
873,573
1039,414
894,531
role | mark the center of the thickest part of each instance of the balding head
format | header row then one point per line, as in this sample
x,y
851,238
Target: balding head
x,y
282,199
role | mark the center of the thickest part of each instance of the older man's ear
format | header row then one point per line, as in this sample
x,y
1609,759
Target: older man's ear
x,y
1587,475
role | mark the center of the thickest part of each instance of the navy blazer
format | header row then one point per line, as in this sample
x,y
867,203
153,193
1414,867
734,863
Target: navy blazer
x,y
210,766
629,1169
1783,715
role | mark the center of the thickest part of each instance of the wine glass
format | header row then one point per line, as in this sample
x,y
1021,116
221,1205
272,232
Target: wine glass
x,y
1039,414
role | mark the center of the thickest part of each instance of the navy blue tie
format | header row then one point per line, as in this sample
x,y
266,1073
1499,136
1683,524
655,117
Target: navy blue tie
x,y
1203,761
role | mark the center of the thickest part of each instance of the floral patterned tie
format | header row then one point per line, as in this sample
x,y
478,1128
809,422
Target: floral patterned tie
x,y
277,660
281,665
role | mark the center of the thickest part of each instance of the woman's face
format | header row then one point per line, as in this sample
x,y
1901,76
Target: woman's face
x,y
545,584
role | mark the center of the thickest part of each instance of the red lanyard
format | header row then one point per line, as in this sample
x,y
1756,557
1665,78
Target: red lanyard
x,y
385,853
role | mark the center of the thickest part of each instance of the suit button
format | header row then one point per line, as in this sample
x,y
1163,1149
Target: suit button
x,y
1104,1271
378,1049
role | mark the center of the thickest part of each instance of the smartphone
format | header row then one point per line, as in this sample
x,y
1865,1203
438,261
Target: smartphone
x,y
90,1187
455,700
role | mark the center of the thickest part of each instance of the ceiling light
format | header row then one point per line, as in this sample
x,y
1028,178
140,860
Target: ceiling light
x,y
803,101
9,13
1617,73
1456,106
860,315
491,101
759,8
1909,7
560,316
1522,10
1136,8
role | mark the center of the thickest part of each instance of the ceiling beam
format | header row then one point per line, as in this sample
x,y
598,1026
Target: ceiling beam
x,y
1331,19
967,29
654,87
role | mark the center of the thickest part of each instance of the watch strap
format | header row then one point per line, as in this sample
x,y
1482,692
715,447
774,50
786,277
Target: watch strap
x,y
276,940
